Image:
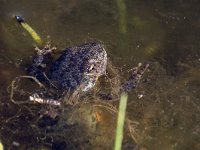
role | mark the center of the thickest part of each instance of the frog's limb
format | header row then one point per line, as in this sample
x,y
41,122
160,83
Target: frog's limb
x,y
47,49
134,79
37,99
42,57
42,54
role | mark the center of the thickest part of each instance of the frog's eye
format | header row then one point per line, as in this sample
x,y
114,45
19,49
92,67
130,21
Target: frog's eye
x,y
91,67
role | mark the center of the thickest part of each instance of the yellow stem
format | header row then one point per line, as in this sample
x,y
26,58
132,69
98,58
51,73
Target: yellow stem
x,y
34,35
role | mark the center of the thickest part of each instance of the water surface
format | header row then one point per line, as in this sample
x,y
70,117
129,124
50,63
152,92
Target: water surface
x,y
163,33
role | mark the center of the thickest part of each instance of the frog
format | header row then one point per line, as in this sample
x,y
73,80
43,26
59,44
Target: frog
x,y
76,70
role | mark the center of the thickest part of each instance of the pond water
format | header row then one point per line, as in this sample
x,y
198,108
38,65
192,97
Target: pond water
x,y
163,33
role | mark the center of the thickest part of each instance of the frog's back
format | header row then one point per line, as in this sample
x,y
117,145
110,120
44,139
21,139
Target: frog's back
x,y
79,66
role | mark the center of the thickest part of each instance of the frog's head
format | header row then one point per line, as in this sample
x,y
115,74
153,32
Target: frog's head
x,y
95,66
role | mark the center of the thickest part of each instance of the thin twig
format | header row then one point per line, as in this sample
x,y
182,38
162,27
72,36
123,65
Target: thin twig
x,y
13,86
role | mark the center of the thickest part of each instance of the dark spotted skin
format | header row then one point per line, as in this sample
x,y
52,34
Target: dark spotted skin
x,y
78,67
134,78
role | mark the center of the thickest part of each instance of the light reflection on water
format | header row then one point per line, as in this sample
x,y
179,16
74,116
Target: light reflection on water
x,y
164,33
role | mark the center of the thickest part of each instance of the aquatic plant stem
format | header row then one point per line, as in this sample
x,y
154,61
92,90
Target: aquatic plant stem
x,y
1,146
122,16
33,34
30,30
120,121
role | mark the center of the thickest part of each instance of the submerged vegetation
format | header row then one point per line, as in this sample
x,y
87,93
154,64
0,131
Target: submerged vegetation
x,y
63,126
120,121
1,146
162,113
30,30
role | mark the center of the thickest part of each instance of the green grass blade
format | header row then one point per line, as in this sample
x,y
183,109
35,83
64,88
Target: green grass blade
x,y
120,121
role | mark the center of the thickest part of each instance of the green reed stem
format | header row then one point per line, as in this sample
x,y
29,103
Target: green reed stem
x,y
120,121
122,16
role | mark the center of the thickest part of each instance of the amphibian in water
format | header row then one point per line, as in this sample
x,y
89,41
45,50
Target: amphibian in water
x,y
77,68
